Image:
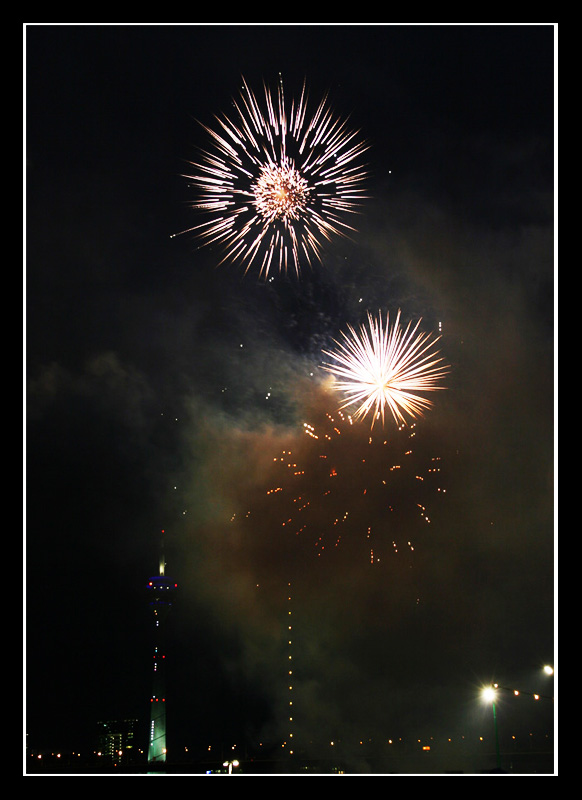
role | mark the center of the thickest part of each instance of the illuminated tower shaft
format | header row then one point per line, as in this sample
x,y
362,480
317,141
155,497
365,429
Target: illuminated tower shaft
x,y
161,590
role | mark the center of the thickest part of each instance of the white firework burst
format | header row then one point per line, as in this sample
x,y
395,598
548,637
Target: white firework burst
x,y
384,368
278,183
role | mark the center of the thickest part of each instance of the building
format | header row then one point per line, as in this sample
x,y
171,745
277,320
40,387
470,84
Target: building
x,y
115,740
161,591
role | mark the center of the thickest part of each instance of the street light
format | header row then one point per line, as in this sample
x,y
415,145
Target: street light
x,y
547,669
489,693
230,765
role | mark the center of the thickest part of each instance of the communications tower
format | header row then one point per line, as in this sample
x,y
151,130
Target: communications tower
x,y
161,591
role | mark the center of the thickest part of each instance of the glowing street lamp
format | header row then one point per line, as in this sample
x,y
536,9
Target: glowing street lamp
x,y
489,693
548,671
230,765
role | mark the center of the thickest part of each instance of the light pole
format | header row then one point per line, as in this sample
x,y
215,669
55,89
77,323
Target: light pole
x,y
489,696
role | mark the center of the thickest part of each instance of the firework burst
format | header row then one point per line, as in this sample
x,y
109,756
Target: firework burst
x,y
278,182
342,489
384,368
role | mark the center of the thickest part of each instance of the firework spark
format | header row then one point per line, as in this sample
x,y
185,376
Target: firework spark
x,y
343,489
278,183
384,368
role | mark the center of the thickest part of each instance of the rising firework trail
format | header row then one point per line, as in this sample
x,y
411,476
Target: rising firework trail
x,y
278,182
383,368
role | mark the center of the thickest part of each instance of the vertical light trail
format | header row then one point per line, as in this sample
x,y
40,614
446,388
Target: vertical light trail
x,y
290,668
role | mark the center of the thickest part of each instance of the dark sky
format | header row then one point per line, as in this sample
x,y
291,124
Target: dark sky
x,y
149,370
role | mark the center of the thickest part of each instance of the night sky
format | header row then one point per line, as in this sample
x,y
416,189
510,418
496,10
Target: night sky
x,y
159,385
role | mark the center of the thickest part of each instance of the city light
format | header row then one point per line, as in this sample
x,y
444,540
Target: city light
x,y
488,694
